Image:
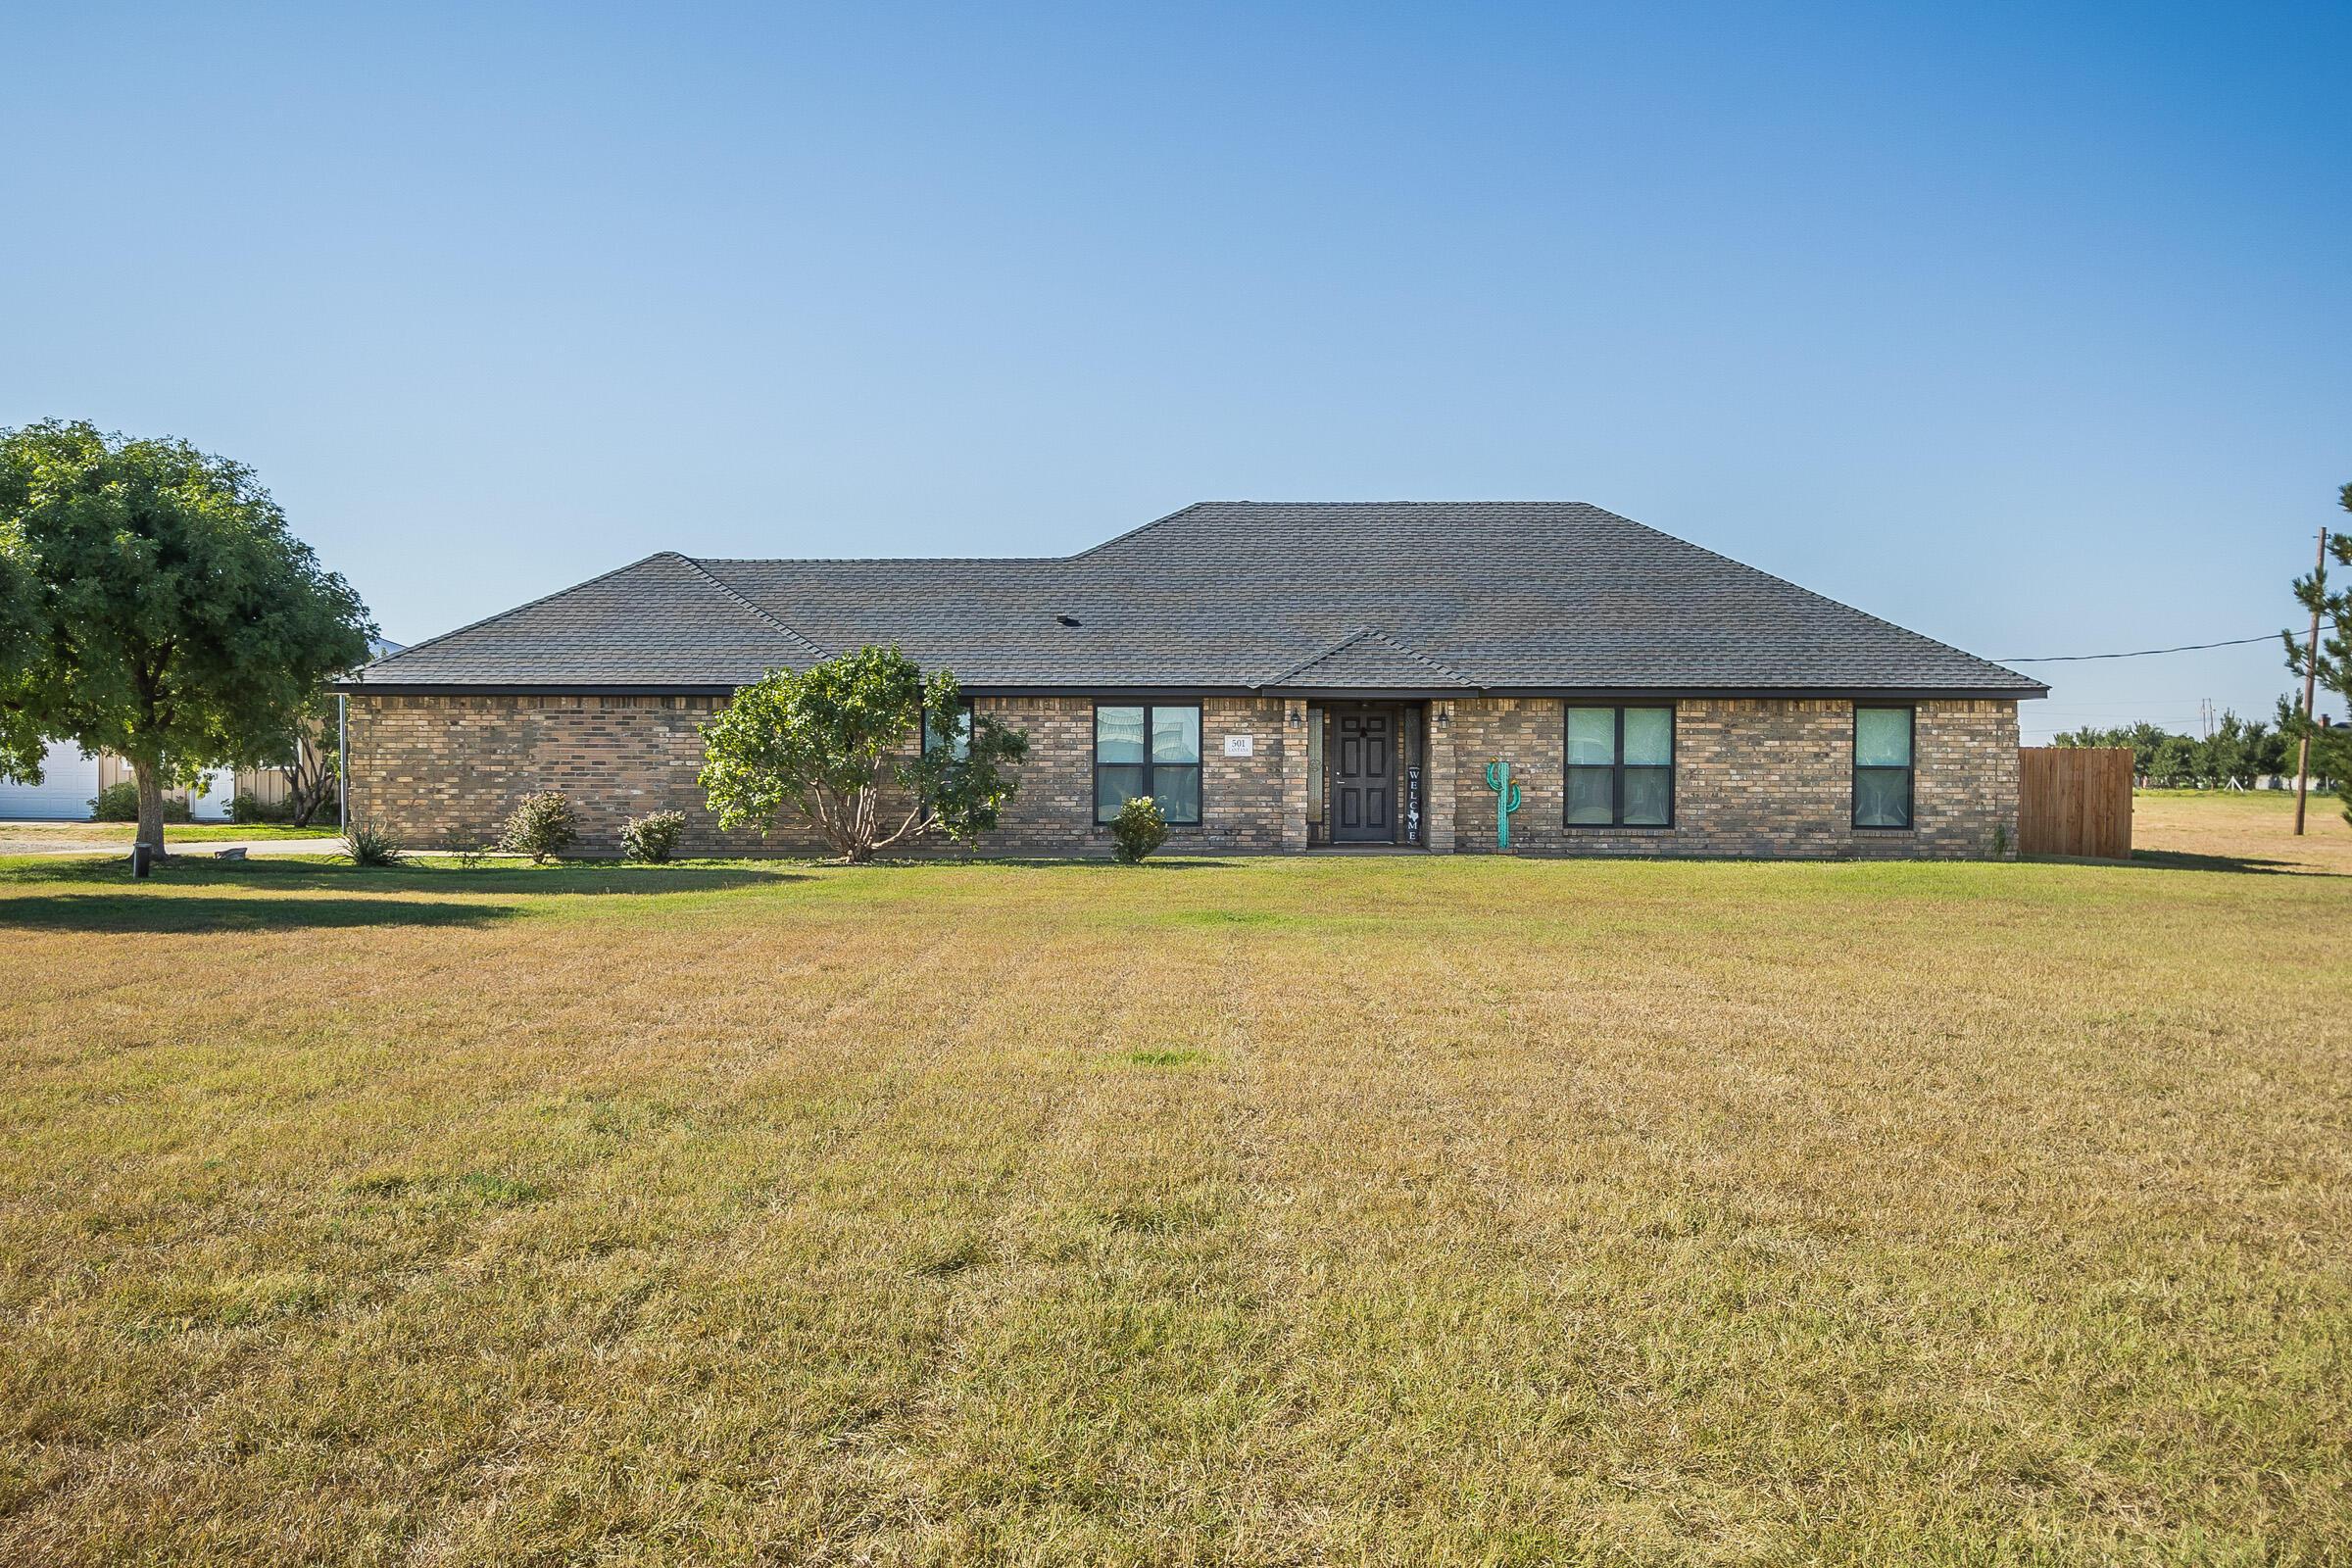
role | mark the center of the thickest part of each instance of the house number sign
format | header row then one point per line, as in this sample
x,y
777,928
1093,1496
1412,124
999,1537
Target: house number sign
x,y
1241,746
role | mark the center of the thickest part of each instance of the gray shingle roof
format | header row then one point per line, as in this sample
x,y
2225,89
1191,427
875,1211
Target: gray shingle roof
x,y
1354,595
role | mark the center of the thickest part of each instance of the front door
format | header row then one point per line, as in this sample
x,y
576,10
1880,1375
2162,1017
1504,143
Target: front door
x,y
1363,777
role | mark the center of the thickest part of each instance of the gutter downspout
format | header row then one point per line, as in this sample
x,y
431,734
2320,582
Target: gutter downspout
x,y
343,763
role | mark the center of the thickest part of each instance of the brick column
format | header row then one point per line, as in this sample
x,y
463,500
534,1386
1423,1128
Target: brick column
x,y
1438,778
1293,740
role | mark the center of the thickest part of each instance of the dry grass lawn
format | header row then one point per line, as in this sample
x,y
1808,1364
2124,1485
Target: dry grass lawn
x,y
1278,1211
2255,829
36,838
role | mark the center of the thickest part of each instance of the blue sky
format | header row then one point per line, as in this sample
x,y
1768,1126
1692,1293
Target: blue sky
x,y
2023,326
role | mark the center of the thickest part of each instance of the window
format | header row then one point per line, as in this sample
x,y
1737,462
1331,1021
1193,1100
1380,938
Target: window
x,y
1150,750
957,741
1314,764
1621,767
1882,767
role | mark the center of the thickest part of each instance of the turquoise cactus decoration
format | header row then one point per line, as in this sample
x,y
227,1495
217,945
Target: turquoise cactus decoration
x,y
1506,800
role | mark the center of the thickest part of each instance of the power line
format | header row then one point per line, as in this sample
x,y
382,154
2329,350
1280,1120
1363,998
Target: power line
x,y
2140,652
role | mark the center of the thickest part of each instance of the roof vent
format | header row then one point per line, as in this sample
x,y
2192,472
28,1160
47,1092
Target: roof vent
x,y
1067,620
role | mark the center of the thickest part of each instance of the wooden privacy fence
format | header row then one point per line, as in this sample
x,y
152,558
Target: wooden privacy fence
x,y
2075,800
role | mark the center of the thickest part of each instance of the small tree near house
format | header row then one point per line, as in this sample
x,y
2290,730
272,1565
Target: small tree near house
x,y
313,761
833,742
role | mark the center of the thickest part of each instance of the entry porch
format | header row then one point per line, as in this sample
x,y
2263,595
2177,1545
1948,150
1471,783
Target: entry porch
x,y
1369,774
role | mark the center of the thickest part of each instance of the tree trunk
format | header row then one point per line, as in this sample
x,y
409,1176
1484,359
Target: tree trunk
x,y
306,790
151,806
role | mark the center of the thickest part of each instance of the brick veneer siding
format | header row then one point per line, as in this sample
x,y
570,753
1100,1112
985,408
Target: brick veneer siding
x,y
1750,777
1767,778
1054,812
442,770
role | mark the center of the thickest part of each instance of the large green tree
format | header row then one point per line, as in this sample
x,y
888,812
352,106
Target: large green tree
x,y
831,741
156,606
21,646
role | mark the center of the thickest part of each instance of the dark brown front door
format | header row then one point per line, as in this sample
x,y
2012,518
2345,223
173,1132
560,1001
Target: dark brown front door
x,y
1364,778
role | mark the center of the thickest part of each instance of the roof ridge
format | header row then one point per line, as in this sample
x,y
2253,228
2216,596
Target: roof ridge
x,y
725,587
1122,538
1815,593
1313,660
1422,502
879,560
1410,652
1357,636
517,610
1117,538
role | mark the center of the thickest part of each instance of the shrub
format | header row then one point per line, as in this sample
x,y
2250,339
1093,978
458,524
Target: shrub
x,y
464,851
541,827
1137,829
120,802
248,807
653,838
370,845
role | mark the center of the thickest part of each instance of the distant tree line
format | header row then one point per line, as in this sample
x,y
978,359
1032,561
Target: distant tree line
x,y
2239,750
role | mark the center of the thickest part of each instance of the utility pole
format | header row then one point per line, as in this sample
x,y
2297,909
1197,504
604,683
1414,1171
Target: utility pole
x,y
2311,688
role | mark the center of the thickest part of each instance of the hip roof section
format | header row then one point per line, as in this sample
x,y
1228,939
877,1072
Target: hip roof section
x,y
1403,597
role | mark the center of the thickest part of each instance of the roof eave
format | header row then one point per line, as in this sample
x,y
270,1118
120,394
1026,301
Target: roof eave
x,y
594,688
570,688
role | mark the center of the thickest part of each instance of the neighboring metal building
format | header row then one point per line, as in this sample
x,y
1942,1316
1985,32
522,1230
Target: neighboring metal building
x,y
70,781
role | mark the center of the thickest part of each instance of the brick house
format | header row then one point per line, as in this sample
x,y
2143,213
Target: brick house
x,y
1280,677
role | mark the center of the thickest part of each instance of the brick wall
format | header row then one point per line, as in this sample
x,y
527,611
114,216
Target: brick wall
x,y
1750,777
1054,813
445,770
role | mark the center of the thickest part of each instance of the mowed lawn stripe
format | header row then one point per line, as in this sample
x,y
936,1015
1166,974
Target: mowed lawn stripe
x,y
1395,1211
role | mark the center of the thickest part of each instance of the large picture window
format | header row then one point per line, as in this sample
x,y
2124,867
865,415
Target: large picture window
x,y
1621,767
1882,767
1148,748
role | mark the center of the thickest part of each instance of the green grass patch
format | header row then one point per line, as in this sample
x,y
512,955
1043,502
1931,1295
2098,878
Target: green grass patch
x,y
1165,1058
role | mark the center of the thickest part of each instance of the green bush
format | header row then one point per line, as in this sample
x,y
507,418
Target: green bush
x,y
654,837
541,827
468,852
1137,829
248,807
370,845
120,802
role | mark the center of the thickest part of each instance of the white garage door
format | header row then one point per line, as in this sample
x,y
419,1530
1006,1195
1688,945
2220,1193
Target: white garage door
x,y
211,804
69,782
